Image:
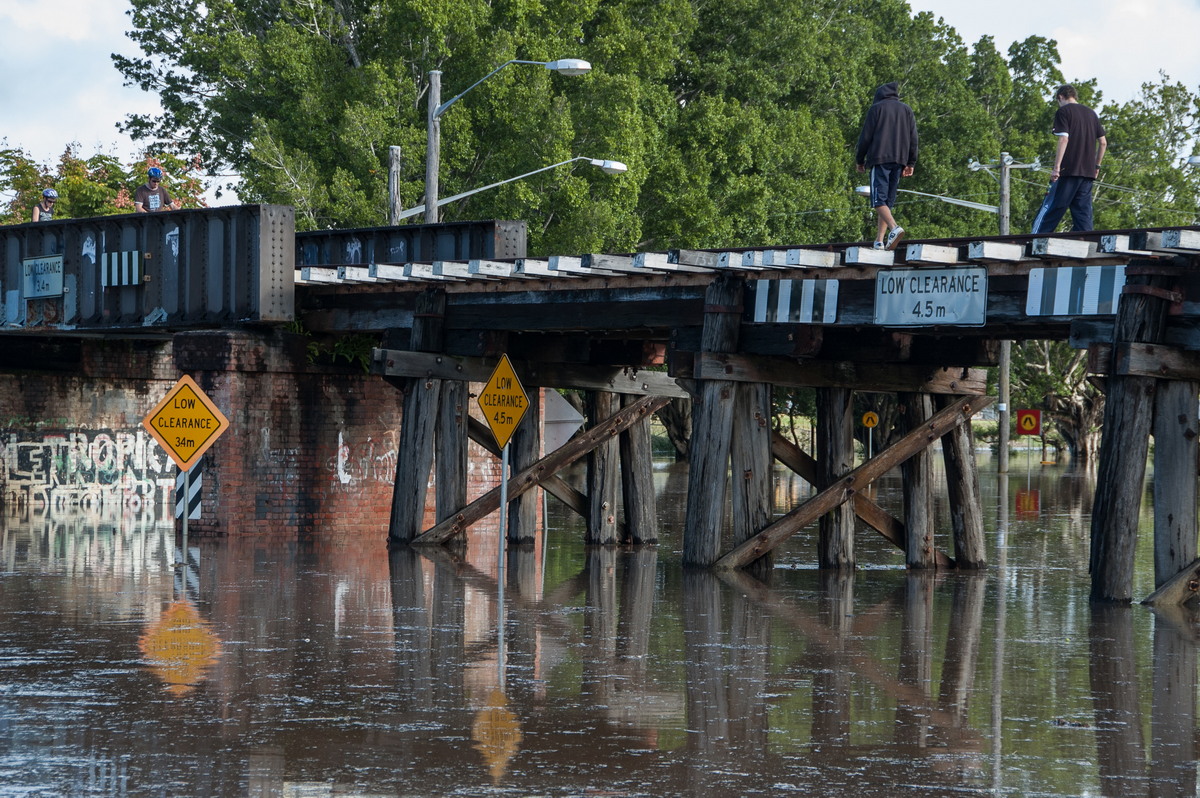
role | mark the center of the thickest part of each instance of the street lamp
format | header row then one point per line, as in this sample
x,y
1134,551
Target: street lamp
x,y
433,143
607,166
979,206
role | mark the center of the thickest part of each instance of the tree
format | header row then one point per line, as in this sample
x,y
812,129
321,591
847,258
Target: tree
x,y
1053,377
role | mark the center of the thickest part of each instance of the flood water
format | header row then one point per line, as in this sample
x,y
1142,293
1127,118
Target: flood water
x,y
274,668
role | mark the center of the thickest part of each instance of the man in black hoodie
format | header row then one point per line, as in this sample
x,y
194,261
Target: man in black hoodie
x,y
887,146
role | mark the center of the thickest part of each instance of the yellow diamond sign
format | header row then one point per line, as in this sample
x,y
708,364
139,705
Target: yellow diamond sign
x,y
186,423
503,401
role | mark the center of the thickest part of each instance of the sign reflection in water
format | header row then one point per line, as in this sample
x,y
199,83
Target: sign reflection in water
x,y
347,669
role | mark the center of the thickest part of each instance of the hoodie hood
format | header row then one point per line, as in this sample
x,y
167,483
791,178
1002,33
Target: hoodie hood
x,y
888,91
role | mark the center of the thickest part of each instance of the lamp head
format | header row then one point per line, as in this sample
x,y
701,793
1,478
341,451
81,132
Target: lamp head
x,y
569,66
974,165
609,167
863,190
1193,160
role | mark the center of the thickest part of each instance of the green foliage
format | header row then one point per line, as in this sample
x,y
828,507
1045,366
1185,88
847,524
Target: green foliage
x,y
737,119
97,186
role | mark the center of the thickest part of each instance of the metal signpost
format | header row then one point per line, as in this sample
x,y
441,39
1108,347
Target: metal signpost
x,y
185,423
503,402
1029,422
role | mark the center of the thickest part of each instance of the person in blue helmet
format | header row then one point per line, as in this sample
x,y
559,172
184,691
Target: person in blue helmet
x,y
44,210
153,196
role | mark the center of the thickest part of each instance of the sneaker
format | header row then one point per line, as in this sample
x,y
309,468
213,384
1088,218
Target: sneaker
x,y
893,237
878,245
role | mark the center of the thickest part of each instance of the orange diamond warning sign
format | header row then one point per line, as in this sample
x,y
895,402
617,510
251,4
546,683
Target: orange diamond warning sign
x,y
503,401
186,423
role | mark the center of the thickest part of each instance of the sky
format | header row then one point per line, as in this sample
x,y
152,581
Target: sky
x,y
63,88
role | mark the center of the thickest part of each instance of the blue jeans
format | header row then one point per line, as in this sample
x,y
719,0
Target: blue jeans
x,y
1066,192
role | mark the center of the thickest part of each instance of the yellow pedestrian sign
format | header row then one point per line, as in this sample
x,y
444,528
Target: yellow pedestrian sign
x,y
1029,422
870,419
503,401
186,423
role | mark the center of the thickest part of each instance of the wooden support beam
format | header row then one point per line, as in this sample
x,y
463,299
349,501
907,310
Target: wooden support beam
x,y
602,474
917,476
539,471
450,462
835,459
1128,410
881,377
1176,451
555,485
637,483
615,379
712,423
750,462
1144,360
526,448
870,513
915,441
962,484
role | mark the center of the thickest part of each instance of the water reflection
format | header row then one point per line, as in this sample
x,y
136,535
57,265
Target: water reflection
x,y
343,669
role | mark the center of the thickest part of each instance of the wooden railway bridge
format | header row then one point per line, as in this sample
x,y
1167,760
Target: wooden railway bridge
x,y
720,327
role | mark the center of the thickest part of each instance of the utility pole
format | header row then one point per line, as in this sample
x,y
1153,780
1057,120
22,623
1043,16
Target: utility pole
x,y
1005,165
394,206
433,145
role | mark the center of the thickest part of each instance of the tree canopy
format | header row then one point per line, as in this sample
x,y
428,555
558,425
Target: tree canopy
x,y
737,119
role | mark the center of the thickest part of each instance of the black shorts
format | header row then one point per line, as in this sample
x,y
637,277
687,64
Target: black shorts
x,y
885,181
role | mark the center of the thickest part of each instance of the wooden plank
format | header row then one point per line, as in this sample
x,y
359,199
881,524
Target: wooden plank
x,y
603,466
839,374
712,422
424,271
622,264
1181,588
661,261
701,259
870,513
1185,240
617,379
1119,244
962,488
564,264
532,267
1176,451
1144,360
868,472
835,458
810,258
1068,248
917,478
637,482
388,272
319,274
932,253
490,268
868,256
995,250
456,269
552,463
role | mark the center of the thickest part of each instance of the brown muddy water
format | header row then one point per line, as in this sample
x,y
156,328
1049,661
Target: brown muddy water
x,y
329,668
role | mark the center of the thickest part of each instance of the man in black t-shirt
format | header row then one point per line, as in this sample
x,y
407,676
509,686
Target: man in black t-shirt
x,y
1081,146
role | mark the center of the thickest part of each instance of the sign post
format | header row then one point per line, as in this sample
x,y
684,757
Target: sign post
x,y
870,420
503,402
185,423
1029,422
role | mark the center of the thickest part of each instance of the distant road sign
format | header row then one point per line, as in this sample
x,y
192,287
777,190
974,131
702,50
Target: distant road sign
x,y
1029,422
186,422
503,401
870,419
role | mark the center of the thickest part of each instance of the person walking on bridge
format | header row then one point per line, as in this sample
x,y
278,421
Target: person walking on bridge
x,y
1081,146
887,146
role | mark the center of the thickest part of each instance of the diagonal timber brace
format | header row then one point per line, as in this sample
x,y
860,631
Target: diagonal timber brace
x,y
551,464
867,511
848,486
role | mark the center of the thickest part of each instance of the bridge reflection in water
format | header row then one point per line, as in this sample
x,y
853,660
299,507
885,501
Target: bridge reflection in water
x,y
338,669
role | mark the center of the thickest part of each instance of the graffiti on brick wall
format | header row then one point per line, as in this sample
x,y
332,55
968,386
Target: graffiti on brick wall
x,y
371,461
95,471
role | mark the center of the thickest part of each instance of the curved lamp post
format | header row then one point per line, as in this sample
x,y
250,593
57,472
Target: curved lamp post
x,y
433,145
609,167
979,206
